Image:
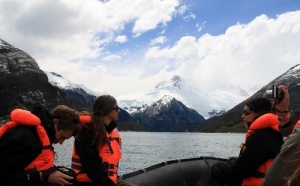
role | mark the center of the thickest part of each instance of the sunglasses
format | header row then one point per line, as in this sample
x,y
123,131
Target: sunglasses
x,y
246,112
117,108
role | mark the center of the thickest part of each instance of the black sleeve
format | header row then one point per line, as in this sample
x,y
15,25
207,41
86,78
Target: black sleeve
x,y
18,148
254,154
90,159
259,147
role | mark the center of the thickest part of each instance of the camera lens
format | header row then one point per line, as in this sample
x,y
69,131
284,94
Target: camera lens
x,y
269,93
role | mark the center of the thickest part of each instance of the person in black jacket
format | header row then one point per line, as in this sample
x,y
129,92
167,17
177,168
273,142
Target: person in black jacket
x,y
97,146
26,152
262,144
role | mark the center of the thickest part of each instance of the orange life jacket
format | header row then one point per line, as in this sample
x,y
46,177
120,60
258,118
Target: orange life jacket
x,y
45,159
264,121
110,154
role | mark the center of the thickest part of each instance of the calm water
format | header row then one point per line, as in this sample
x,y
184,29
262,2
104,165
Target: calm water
x,y
143,149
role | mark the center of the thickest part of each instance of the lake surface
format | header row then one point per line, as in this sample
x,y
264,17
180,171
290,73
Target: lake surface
x,y
143,149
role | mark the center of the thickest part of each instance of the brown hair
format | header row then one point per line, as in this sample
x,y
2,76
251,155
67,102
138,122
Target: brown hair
x,y
101,107
68,118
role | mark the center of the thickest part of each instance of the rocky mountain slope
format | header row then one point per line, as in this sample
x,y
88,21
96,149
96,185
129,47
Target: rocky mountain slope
x,y
231,120
165,114
168,114
23,84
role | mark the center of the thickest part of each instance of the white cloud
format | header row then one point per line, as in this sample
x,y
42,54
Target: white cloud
x,y
189,16
246,55
200,26
154,12
72,37
182,9
121,39
112,57
160,40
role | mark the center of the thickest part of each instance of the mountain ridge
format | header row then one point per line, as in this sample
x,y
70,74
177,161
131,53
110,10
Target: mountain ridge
x,y
178,87
23,84
231,121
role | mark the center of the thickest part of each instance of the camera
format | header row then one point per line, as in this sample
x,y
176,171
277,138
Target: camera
x,y
274,92
67,171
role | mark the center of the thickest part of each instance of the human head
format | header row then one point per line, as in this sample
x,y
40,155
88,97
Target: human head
x,y
255,107
106,106
105,111
66,121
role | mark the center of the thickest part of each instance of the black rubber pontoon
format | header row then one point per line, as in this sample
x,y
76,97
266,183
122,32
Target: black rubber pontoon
x,y
183,172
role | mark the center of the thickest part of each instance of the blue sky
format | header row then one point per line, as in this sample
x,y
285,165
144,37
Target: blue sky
x,y
128,46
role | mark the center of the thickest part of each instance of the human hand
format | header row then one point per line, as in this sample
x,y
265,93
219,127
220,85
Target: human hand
x,y
282,105
59,178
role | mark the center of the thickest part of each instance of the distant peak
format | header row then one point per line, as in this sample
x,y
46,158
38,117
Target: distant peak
x,y
167,98
175,81
176,78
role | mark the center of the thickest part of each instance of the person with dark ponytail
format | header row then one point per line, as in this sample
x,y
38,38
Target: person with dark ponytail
x,y
262,143
97,146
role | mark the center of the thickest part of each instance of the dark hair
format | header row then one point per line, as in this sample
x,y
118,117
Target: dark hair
x,y
260,105
101,107
68,118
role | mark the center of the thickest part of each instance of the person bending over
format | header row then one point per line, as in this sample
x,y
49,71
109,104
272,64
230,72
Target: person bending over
x,y
26,152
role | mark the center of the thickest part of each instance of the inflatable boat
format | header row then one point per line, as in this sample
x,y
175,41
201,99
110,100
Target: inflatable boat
x,y
182,172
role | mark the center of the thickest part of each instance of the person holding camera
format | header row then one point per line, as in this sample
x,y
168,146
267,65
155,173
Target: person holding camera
x,y
281,100
262,144
97,146
26,151
285,167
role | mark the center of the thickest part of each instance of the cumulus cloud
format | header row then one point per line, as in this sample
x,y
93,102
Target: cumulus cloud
x,y
160,39
121,39
75,39
246,54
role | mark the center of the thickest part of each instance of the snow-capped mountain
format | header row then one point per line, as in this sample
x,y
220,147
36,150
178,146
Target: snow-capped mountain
x,y
168,114
232,118
80,93
62,83
206,103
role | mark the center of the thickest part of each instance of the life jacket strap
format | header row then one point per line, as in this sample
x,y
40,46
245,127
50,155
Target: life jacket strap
x,y
48,147
77,167
76,160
